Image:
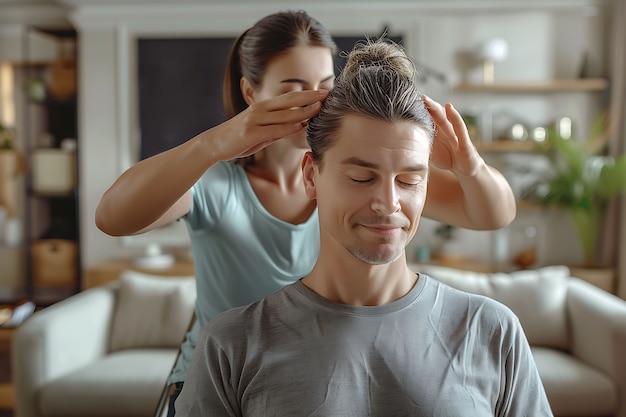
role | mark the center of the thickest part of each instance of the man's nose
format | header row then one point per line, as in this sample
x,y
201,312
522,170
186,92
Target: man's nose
x,y
386,200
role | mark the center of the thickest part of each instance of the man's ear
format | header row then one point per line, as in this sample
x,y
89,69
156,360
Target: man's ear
x,y
246,90
308,175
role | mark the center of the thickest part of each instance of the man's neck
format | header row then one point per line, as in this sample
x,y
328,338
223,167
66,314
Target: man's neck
x,y
354,282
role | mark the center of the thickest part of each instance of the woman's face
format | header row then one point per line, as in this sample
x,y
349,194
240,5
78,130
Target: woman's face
x,y
300,68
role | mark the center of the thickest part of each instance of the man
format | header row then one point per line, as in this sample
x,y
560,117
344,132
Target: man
x,y
362,335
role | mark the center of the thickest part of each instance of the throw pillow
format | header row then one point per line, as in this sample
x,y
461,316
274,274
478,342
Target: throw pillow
x,y
152,310
537,297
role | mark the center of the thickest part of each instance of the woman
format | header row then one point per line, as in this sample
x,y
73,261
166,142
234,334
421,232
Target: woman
x,y
239,185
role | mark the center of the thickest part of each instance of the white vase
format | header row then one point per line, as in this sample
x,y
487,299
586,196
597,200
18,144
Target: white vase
x,y
13,232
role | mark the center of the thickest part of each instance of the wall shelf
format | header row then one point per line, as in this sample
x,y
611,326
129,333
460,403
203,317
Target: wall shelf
x,y
564,85
505,146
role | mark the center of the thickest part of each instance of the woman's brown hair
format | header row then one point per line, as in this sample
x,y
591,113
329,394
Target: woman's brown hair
x,y
256,47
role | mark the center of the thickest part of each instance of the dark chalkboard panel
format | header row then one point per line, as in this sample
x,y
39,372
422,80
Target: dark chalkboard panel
x,y
180,87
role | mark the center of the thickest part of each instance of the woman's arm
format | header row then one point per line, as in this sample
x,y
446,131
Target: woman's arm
x,y
463,190
156,191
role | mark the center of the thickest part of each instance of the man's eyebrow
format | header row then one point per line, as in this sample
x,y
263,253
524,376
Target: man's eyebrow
x,y
359,162
366,164
301,81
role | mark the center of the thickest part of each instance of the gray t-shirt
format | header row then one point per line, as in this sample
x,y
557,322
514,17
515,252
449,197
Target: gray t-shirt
x,y
435,352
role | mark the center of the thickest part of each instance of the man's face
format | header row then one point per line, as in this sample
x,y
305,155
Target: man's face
x,y
370,187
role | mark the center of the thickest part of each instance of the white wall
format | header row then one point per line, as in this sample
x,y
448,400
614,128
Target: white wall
x,y
545,38
100,151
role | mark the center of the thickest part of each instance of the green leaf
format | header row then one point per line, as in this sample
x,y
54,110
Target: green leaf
x,y
597,139
612,181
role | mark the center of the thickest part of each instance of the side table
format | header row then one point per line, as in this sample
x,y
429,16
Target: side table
x,y
110,270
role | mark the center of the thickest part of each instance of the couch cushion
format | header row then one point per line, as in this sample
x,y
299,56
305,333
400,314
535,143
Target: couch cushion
x,y
537,297
152,311
126,383
573,387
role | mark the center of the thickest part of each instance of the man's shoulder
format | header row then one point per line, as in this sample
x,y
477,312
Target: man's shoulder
x,y
479,303
248,319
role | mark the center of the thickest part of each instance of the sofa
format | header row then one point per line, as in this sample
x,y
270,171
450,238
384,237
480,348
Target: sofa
x,y
106,351
577,333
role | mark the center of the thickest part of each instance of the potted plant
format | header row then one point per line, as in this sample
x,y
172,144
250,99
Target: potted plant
x,y
582,180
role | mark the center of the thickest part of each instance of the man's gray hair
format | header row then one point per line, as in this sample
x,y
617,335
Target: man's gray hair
x,y
377,82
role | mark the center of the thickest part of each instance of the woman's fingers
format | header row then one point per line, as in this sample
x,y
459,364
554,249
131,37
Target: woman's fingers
x,y
458,125
294,99
453,148
450,123
290,108
437,112
279,123
267,121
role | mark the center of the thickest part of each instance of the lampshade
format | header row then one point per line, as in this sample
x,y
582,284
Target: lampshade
x,y
495,49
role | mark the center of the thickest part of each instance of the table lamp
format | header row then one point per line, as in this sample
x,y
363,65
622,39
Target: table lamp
x,y
492,51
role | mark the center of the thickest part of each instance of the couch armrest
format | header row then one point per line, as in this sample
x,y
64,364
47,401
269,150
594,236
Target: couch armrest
x,y
59,339
598,331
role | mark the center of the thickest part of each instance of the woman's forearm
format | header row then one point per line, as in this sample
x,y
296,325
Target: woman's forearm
x,y
157,189
488,199
153,190
481,201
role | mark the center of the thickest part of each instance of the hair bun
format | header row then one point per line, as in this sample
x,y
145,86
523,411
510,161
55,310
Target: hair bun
x,y
379,54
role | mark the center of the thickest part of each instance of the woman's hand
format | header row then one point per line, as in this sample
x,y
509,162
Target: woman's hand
x,y
453,149
462,189
265,122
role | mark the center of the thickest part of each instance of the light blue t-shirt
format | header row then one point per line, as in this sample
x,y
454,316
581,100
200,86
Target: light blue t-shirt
x,y
241,252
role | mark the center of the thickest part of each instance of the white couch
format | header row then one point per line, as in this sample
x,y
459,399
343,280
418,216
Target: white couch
x,y
577,333
104,352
